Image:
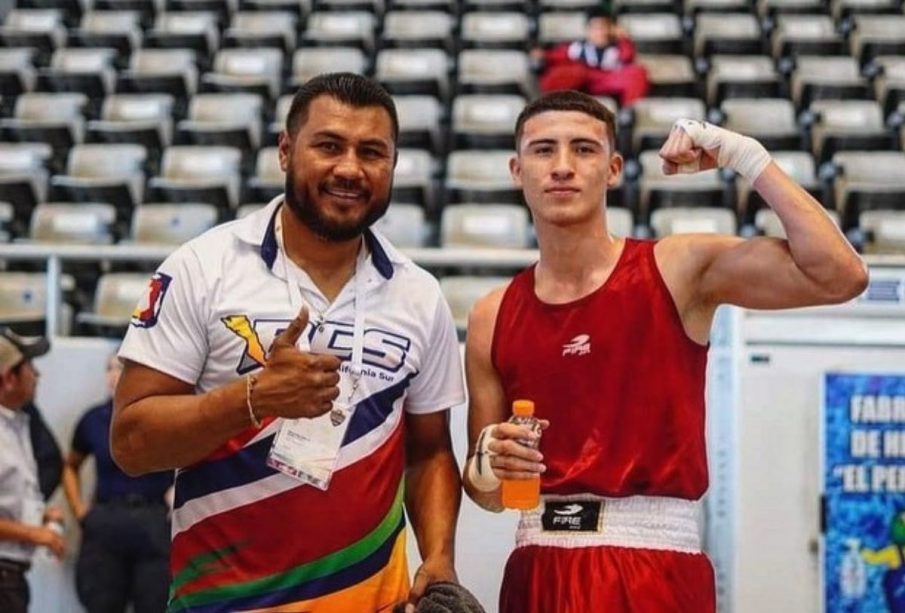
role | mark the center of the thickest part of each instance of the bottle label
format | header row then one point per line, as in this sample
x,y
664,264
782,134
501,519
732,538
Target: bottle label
x,y
572,516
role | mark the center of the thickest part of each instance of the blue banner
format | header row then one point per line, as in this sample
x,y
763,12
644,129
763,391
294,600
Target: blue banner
x,y
864,488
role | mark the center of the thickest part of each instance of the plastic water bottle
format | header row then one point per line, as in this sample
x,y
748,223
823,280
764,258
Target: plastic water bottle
x,y
523,493
852,572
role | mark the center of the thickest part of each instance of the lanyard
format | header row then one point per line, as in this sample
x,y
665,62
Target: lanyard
x,y
293,283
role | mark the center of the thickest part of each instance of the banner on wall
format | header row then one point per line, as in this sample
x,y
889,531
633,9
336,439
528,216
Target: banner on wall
x,y
864,493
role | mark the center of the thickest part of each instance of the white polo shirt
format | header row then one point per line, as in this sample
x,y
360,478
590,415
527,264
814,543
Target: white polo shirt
x,y
211,313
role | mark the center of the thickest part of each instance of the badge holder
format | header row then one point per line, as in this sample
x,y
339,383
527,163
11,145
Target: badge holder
x,y
308,449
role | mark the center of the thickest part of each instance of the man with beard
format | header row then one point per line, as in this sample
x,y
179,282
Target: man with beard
x,y
292,367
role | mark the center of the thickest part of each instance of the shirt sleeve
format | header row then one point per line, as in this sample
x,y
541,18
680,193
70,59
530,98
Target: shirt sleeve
x,y
439,384
168,330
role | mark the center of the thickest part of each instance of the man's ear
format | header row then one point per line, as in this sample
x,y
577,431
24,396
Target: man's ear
x,y
515,170
284,148
616,165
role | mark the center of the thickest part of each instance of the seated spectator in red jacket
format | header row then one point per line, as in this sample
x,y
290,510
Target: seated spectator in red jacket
x,y
600,65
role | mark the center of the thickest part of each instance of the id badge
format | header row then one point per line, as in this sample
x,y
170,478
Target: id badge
x,y
308,449
33,512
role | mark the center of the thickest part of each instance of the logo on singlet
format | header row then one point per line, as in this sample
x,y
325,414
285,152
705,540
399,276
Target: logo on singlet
x,y
580,345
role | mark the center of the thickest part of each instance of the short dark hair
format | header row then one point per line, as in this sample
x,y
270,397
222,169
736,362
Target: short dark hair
x,y
346,87
567,100
604,11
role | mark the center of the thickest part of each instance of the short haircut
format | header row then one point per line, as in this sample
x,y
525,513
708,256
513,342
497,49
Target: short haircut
x,y
599,12
567,100
346,87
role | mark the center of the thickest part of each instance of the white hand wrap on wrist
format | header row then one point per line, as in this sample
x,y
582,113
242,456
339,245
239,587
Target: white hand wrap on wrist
x,y
742,154
480,472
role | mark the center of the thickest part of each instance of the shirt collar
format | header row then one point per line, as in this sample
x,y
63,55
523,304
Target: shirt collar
x,y
258,228
13,417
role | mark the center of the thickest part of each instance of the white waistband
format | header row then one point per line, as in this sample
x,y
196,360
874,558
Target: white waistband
x,y
645,522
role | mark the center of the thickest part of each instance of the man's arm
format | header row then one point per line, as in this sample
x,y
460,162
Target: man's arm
x,y
32,535
501,454
432,496
72,484
815,265
159,423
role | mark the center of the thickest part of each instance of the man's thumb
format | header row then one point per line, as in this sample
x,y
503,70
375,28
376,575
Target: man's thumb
x,y
290,336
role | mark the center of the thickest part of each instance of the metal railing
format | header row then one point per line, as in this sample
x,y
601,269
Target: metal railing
x,y
55,255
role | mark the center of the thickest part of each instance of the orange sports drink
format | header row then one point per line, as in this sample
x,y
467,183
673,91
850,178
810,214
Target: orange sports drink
x,y
523,494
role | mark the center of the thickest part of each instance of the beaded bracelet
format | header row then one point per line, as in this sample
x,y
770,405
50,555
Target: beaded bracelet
x,y
250,382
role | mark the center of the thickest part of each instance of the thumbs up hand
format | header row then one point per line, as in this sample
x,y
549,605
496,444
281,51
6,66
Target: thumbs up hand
x,y
296,383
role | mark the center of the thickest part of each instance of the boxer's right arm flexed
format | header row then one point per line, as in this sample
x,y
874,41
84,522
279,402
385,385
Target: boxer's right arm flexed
x,y
494,452
159,423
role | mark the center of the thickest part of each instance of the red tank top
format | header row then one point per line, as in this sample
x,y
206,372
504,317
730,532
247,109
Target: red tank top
x,y
617,376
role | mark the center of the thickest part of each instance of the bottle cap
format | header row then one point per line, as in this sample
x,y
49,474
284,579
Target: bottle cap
x,y
523,407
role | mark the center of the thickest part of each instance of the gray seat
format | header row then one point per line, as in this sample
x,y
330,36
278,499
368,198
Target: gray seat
x,y
495,29
263,29
103,173
494,71
741,76
868,180
23,297
876,35
414,71
199,174
654,32
485,225
480,176
419,122
822,78
342,28
560,27
120,30
669,75
485,121
232,120
889,85
404,225
418,29
66,223
309,62
171,224
654,118
37,28
23,178
256,71
805,35
144,119
847,125
169,71
17,71
840,9
727,33
413,178
884,230
198,30
269,179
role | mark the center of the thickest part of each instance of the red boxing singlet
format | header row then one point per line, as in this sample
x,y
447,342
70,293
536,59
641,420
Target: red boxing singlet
x,y
617,376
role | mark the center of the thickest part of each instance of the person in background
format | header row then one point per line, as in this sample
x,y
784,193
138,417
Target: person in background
x,y
603,64
124,556
25,522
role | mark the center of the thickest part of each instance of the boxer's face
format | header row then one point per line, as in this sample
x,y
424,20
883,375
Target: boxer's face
x,y
564,165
